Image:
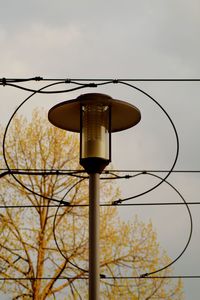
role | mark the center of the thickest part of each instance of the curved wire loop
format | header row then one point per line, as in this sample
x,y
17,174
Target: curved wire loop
x,y
190,232
177,145
5,135
54,227
82,85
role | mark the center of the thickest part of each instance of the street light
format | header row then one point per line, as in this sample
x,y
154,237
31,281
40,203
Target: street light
x,y
95,116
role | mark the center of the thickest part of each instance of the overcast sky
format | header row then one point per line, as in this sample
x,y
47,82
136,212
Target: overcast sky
x,y
122,39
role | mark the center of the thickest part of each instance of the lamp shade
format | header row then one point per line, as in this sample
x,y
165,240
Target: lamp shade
x,y
66,115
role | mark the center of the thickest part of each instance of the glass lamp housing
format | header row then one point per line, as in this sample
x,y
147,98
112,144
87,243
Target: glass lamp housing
x,y
95,138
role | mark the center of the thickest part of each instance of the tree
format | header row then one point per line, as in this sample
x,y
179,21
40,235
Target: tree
x,y
31,264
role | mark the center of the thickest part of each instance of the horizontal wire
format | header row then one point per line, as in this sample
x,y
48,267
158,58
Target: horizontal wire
x,y
75,173
104,172
153,277
101,204
154,171
72,171
103,277
38,78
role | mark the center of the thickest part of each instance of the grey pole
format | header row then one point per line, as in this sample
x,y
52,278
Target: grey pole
x,y
94,273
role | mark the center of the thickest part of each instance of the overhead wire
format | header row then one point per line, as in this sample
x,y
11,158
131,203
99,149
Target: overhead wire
x,y
4,80
119,203
104,172
150,174
103,204
66,81
40,91
95,85
104,278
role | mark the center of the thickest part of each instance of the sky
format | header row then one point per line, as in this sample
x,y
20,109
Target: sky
x,y
122,39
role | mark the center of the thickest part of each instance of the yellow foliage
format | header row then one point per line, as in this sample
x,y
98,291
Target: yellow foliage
x,y
28,248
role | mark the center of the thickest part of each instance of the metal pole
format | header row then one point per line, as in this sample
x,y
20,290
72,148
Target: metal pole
x,y
94,273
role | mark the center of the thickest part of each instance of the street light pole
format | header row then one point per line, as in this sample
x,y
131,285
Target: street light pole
x,y
94,223
95,116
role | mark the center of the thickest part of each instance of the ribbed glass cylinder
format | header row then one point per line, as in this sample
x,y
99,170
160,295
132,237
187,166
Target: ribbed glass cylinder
x,y
95,131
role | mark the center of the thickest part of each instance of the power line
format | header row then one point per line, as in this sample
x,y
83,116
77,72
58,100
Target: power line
x,y
103,204
4,81
104,277
10,82
61,171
